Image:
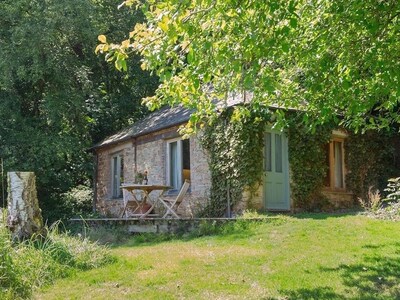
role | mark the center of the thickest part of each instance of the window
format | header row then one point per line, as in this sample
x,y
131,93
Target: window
x,y
178,162
117,173
335,160
273,144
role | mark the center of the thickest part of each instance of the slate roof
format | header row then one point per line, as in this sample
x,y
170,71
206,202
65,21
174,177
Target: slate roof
x,y
160,119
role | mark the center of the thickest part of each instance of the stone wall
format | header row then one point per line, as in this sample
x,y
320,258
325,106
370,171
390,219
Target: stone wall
x,y
105,204
339,199
151,157
252,199
200,171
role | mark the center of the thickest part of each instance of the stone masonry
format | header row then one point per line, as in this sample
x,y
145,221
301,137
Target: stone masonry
x,y
151,157
148,153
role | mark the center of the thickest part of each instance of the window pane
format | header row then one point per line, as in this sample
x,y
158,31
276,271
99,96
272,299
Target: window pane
x,y
278,153
117,173
327,179
173,159
120,175
338,154
186,159
268,149
114,178
186,154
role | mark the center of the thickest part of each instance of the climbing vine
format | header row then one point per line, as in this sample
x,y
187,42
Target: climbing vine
x,y
234,142
372,158
308,164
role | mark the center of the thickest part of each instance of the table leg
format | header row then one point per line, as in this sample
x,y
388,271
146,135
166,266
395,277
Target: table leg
x,y
147,197
138,204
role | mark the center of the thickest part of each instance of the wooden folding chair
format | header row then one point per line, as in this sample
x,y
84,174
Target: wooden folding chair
x,y
171,204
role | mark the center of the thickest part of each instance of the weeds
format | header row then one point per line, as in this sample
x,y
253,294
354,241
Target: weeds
x,y
387,208
40,260
101,234
373,200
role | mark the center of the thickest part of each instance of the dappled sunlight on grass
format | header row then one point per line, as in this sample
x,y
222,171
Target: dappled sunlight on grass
x,y
347,257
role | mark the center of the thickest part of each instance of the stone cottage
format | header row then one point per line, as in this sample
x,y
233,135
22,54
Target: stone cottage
x,y
154,145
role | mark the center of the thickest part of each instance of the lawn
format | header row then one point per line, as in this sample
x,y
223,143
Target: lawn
x,y
305,257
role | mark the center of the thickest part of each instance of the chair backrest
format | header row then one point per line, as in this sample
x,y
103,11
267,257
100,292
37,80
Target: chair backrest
x,y
182,192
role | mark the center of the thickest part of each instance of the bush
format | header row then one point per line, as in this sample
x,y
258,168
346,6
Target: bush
x,y
77,201
40,260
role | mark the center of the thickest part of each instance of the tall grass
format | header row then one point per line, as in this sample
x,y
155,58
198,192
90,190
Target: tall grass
x,y
39,261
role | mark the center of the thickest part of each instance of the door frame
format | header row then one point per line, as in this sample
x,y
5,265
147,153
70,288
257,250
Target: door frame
x,y
285,169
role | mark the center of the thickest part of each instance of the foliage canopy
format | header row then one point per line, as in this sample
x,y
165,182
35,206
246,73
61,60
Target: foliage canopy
x,y
330,58
57,97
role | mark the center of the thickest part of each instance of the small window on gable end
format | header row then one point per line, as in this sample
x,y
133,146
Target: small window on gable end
x,y
335,177
117,175
178,162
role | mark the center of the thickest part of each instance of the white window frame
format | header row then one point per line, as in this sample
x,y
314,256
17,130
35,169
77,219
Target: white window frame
x,y
116,176
179,165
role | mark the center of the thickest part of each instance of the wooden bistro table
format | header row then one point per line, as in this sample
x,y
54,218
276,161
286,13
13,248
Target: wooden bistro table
x,y
144,192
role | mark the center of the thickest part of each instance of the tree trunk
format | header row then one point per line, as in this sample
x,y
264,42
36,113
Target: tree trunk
x,y
24,215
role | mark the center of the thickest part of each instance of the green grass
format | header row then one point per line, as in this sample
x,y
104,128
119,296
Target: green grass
x,y
307,257
36,262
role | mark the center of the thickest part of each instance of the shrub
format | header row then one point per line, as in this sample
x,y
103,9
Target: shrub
x,y
371,158
77,201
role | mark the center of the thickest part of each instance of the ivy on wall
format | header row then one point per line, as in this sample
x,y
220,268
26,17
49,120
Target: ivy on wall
x,y
308,164
371,158
234,142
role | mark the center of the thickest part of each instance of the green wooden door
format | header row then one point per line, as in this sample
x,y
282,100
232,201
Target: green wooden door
x,y
276,181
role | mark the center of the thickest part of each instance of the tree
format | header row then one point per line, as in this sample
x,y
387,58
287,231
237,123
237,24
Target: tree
x,y
336,60
57,96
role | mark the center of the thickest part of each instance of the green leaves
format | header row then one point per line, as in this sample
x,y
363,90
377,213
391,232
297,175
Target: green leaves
x,y
293,23
331,59
285,47
235,144
57,97
190,56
